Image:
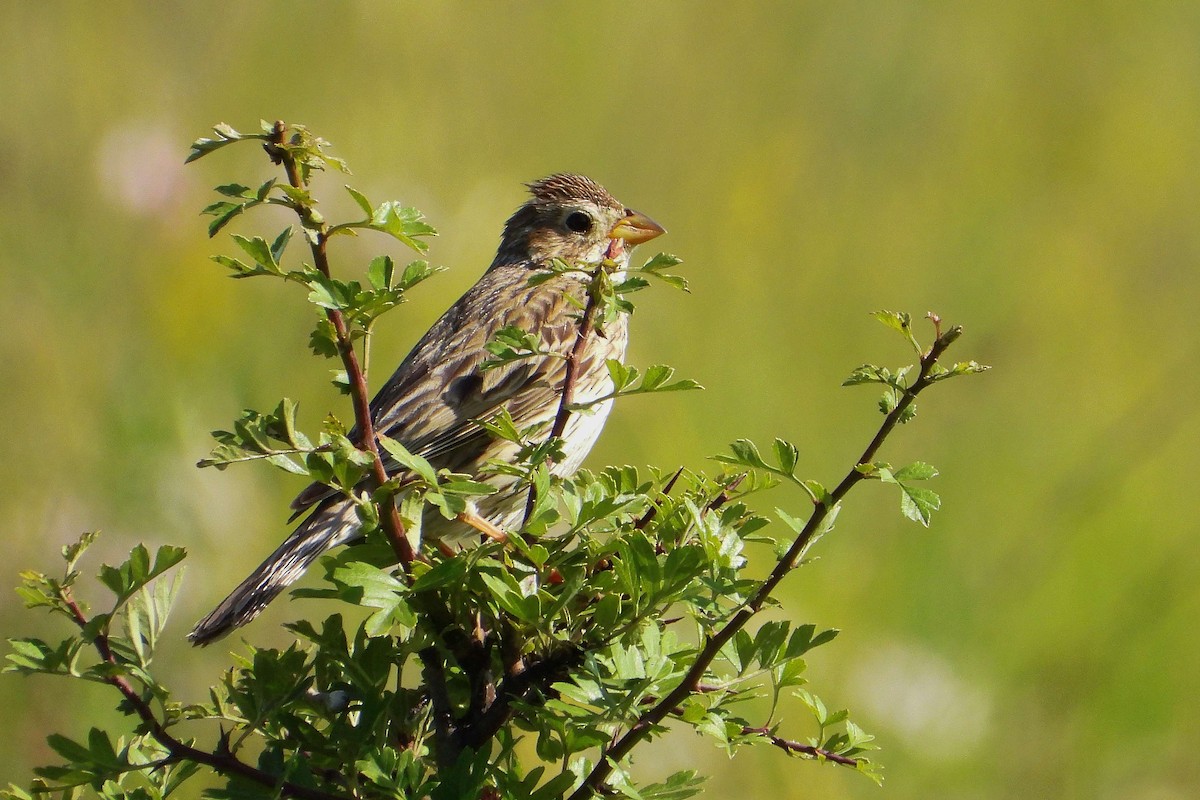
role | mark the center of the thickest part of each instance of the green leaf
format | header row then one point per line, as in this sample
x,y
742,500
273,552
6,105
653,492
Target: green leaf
x,y
677,787
664,261
510,344
223,213
415,272
870,373
467,487
225,135
508,595
805,638
32,655
362,201
379,273
409,461
71,553
146,615
502,426
234,190
406,224
939,372
899,321
916,471
323,341
656,375
446,573
622,376
280,244
787,454
367,585
261,252
918,504
745,453
264,190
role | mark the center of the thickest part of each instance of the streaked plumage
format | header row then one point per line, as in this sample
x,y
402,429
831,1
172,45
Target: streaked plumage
x,y
430,401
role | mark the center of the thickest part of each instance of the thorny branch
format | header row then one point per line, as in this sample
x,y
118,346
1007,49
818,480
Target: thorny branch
x,y
393,527
620,747
223,763
803,749
567,398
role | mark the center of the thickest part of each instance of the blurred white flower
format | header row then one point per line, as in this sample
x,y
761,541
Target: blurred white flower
x,y
918,696
140,167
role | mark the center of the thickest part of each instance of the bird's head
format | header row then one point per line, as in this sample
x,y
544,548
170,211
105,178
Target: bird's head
x,y
573,218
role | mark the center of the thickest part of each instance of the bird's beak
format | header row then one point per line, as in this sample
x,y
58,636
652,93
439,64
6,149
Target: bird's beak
x,y
636,228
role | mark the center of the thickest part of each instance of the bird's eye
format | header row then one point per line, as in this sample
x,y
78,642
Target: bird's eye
x,y
578,222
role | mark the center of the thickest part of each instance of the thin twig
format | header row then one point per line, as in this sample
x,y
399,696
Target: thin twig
x,y
392,525
221,763
567,398
652,511
655,715
804,749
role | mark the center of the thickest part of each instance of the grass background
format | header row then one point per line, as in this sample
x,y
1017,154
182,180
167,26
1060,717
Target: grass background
x,y
1028,169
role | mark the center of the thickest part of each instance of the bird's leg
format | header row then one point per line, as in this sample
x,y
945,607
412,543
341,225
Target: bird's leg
x,y
483,526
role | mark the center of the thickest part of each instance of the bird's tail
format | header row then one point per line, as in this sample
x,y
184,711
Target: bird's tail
x,y
324,529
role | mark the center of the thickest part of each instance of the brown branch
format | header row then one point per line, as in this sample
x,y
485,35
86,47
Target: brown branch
x,y
434,674
518,686
655,715
803,749
221,763
723,497
652,511
393,527
586,322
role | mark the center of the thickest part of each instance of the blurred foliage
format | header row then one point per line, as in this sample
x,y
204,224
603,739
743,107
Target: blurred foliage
x,y
1028,168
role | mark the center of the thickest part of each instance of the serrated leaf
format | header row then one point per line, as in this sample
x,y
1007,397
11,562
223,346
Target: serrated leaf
x,y
916,471
679,786
224,213
870,373
264,189
445,573
622,376
415,272
511,599
380,272
656,375
234,190
280,244
258,250
323,339
408,460
362,201
918,504
746,452
899,321
787,454
662,261
403,223
225,135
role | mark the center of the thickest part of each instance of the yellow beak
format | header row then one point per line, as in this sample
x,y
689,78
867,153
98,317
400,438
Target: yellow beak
x,y
636,228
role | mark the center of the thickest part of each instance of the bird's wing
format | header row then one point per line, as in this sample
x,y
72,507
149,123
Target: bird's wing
x,y
432,401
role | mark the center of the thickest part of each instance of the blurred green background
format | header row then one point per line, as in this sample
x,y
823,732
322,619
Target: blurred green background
x,y
1027,169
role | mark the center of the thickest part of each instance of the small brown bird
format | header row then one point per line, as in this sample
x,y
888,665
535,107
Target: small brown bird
x,y
430,403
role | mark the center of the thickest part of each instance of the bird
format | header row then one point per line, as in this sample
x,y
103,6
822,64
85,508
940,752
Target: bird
x,y
432,402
